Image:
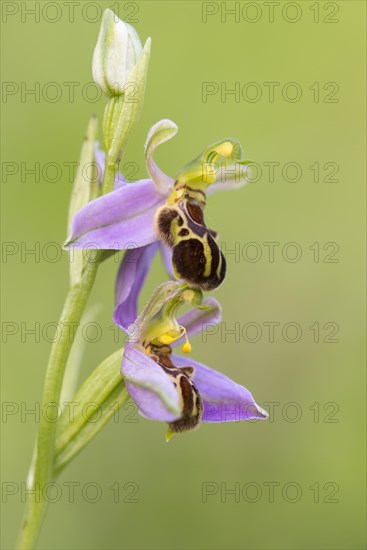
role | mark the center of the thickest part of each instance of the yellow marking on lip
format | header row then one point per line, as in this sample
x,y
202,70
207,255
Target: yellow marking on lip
x,y
219,265
208,256
197,195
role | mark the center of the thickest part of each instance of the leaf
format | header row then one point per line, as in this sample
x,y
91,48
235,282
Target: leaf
x,y
99,397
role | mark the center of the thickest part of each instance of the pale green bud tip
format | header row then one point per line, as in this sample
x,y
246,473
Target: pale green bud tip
x,y
117,52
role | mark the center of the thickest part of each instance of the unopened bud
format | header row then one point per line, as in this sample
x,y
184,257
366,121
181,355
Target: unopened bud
x,y
117,52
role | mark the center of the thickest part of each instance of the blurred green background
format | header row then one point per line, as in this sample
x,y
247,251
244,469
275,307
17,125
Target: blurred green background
x,y
320,440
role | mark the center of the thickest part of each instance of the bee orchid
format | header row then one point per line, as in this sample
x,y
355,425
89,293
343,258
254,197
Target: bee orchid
x,y
168,210
167,387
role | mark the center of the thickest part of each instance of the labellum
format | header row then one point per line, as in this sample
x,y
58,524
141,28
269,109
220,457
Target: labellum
x,y
191,402
180,224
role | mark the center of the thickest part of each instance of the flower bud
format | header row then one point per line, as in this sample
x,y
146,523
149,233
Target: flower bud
x,y
117,51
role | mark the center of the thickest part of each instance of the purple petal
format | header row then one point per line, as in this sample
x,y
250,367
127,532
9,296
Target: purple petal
x,y
150,388
119,220
130,279
100,157
224,400
166,255
196,320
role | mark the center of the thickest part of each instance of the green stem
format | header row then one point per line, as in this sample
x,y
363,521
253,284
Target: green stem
x,y
42,471
111,116
109,177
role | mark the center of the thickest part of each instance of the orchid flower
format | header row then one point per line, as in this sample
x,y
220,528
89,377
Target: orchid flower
x,y
165,386
139,213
